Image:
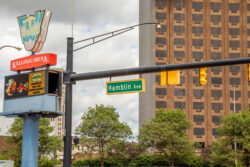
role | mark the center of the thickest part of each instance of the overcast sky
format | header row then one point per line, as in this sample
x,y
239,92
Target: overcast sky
x,y
92,17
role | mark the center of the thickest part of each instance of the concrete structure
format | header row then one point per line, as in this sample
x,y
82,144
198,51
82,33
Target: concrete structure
x,y
6,163
59,122
196,30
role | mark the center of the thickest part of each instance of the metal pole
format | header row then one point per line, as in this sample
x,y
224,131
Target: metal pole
x,y
153,69
68,107
30,141
235,144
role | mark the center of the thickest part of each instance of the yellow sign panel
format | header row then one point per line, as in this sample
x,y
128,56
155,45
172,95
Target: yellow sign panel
x,y
36,83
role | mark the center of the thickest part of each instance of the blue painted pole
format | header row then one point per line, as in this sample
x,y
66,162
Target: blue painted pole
x,y
30,141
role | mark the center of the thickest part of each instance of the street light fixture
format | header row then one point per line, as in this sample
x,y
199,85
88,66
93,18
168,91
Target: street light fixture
x,y
9,46
69,83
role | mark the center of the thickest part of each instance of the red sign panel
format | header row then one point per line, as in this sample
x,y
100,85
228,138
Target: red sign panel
x,y
34,61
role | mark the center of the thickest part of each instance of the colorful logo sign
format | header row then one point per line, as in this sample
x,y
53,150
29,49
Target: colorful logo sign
x,y
23,85
34,30
34,61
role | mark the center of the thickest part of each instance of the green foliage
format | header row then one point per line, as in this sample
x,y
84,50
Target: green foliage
x,y
45,162
166,133
100,126
48,145
4,157
149,160
95,162
235,127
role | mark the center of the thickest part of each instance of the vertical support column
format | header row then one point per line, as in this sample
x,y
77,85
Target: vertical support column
x,y
30,141
68,106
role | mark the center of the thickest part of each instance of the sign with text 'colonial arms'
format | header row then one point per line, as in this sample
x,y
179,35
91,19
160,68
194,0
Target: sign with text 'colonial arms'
x,y
33,29
126,86
34,61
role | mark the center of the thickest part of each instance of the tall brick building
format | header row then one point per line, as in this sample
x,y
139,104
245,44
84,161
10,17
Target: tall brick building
x,y
196,30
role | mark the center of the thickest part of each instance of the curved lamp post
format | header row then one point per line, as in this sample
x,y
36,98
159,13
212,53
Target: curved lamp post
x,y
9,46
69,83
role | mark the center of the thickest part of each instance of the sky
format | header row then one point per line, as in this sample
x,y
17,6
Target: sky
x,y
91,18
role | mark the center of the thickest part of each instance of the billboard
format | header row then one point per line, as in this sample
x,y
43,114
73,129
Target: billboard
x,y
23,85
34,61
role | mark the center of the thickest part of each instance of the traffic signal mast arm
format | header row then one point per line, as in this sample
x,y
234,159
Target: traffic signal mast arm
x,y
153,69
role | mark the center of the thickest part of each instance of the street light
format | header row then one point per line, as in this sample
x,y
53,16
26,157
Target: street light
x,y
9,46
69,83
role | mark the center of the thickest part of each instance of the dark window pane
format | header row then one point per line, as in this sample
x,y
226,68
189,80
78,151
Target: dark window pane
x,y
199,131
234,20
216,81
217,107
216,44
216,70
215,31
197,56
216,94
214,132
161,41
179,17
234,32
197,30
237,107
216,7
198,118
234,81
161,53
197,18
198,105
179,42
216,119
197,6
234,55
179,30
180,105
160,15
161,91
234,44
161,4
179,4
161,104
216,19
179,55
216,55
234,69
198,93
234,7
179,92
235,94
197,43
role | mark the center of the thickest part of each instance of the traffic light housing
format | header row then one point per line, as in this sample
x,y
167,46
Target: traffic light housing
x,y
170,78
163,78
173,77
203,76
248,72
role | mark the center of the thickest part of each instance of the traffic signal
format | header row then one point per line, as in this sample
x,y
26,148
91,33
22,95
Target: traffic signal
x,y
248,72
173,77
163,78
203,76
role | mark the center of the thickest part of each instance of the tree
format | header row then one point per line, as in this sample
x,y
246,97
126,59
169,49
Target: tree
x,y
235,128
101,126
48,145
166,133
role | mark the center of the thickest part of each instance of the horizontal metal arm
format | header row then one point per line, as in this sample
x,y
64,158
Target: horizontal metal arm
x,y
153,69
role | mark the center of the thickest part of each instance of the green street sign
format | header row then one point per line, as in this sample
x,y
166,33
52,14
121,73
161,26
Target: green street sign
x,y
126,86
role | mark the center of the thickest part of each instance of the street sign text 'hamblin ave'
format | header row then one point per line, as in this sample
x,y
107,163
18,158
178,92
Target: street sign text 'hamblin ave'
x,y
126,86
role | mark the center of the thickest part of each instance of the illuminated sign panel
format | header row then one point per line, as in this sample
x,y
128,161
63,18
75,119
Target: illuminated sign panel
x,y
34,61
36,83
32,84
33,29
16,86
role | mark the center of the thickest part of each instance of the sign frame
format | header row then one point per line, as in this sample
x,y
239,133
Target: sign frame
x,y
141,79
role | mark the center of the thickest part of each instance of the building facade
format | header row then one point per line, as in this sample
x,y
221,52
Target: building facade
x,y
191,31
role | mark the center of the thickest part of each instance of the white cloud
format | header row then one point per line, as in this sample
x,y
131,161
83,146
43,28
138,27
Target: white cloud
x,y
92,17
